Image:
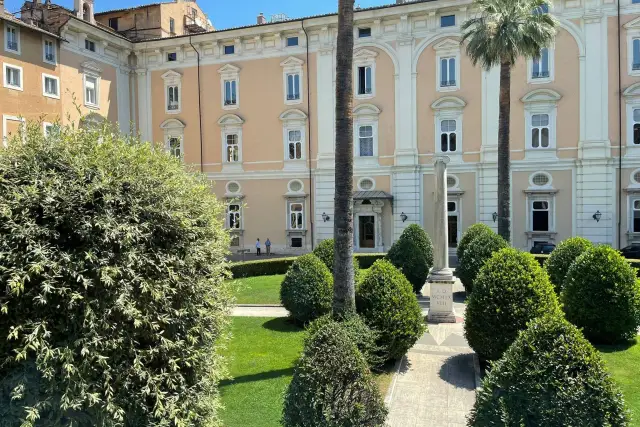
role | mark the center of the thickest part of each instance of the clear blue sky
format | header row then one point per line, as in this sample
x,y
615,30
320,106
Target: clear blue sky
x,y
235,13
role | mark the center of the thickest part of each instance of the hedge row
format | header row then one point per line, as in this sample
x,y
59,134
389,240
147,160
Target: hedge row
x,y
635,263
269,267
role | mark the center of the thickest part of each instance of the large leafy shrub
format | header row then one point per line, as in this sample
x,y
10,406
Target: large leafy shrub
x,y
469,235
387,303
364,337
510,290
478,251
551,376
307,289
112,262
412,254
332,385
602,296
562,257
325,251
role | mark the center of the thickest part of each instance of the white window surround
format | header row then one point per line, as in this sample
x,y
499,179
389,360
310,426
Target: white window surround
x,y
233,194
541,80
9,118
541,101
227,73
447,48
46,40
44,83
292,120
46,128
547,186
92,70
230,124
173,128
292,65
4,76
365,115
366,178
295,193
237,214
364,58
293,208
172,78
537,193
449,108
16,28
633,32
633,234
632,100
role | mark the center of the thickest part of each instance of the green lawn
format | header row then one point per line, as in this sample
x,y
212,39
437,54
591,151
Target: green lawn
x,y
258,290
624,364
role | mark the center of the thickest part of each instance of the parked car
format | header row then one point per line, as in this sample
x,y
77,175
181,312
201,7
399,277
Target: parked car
x,y
542,248
631,251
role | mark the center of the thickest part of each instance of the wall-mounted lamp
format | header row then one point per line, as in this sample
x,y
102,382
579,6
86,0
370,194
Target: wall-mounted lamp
x,y
597,216
495,216
325,217
403,217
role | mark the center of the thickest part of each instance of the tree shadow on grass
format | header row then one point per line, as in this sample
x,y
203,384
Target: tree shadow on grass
x,y
458,370
615,348
269,375
282,324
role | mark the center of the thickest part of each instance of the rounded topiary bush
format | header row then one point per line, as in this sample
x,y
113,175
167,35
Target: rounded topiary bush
x,y
412,254
387,303
562,257
325,251
510,290
602,296
307,289
478,251
551,376
112,259
364,337
332,385
469,235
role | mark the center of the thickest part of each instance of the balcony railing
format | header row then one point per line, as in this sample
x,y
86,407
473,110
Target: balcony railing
x,y
173,106
293,97
447,83
229,102
11,45
195,24
540,74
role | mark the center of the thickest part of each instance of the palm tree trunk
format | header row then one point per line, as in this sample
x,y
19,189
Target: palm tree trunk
x,y
344,289
504,160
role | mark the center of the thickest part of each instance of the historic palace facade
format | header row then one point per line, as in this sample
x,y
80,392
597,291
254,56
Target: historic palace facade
x,y
253,108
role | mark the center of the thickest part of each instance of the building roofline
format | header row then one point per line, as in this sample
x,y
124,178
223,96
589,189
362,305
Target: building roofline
x,y
15,21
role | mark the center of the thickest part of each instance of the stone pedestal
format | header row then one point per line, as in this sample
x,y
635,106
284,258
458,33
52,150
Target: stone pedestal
x,y
441,279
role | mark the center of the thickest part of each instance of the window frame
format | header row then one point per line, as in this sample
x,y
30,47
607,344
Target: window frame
x,y
541,101
44,86
633,32
447,49
168,139
542,80
291,38
6,84
540,128
365,30
116,19
365,115
302,213
10,118
631,208
88,43
359,138
455,21
364,58
172,79
225,147
449,108
457,120
172,26
292,66
238,216
230,46
633,122
44,51
16,29
87,103
550,213
45,127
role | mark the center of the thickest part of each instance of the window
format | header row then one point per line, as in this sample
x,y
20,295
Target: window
x,y
12,39
365,141
173,98
172,56
172,26
49,51
366,184
113,23
295,145
448,21
448,136
296,216
292,41
175,146
364,80
91,91
229,49
636,55
540,180
293,87
447,72
230,93
541,65
635,220
233,148
50,86
540,131
364,32
89,45
453,223
12,77
293,130
540,215
235,217
49,129
636,126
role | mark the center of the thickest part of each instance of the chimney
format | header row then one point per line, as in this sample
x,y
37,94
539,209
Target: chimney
x,y
261,19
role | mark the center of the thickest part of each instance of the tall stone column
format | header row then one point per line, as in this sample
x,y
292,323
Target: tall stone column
x,y
441,279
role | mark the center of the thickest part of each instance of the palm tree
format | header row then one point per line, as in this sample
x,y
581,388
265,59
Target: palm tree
x,y
504,31
344,290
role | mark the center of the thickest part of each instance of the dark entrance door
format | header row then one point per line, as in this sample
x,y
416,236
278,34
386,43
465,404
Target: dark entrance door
x,y
367,232
453,231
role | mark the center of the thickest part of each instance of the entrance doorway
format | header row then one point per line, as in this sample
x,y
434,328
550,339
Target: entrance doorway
x,y
367,232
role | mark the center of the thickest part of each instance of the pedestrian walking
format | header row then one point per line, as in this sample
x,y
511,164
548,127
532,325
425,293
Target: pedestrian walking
x,y
267,244
258,247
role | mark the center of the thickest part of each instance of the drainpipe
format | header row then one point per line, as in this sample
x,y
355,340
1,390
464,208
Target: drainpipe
x,y
199,104
619,135
312,216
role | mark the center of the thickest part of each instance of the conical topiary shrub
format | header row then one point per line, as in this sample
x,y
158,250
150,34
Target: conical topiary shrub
x,y
562,257
469,235
307,289
477,252
550,376
511,290
412,254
